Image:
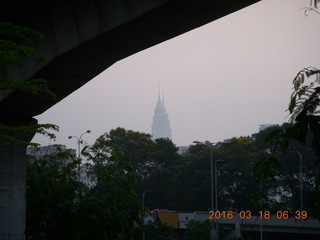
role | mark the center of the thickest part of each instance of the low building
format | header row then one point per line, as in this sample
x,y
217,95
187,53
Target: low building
x,y
40,152
265,126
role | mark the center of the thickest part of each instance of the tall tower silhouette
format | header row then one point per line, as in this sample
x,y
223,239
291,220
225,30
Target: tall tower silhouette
x,y
160,126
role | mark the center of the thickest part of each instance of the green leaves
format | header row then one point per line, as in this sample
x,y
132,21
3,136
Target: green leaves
x,y
145,154
13,135
303,108
257,198
34,87
53,196
15,47
17,44
275,134
198,230
157,231
314,3
70,200
18,33
264,168
305,97
13,53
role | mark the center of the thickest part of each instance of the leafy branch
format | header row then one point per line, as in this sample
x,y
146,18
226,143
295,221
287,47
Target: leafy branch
x,y
312,8
13,53
34,87
16,45
305,97
10,135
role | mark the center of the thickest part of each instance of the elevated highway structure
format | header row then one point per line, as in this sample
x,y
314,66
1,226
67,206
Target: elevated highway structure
x,y
82,39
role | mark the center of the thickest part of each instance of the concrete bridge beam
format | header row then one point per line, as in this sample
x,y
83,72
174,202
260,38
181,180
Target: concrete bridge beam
x,y
83,38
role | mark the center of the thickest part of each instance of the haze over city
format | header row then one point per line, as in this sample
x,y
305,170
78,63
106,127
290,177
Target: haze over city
x,y
220,81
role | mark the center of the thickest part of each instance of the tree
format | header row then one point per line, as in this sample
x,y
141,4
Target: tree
x,y
159,186
304,116
15,42
168,152
197,230
236,178
304,128
114,177
157,230
286,188
186,185
53,197
17,45
61,205
138,147
152,160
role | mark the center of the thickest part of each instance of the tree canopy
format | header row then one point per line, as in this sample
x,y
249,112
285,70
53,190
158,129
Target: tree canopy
x,y
70,200
301,135
103,197
18,44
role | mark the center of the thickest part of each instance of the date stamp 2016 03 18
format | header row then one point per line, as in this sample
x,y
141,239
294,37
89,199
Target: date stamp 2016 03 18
x,y
261,215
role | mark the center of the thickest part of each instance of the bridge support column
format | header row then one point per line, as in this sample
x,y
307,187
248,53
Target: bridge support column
x,y
13,182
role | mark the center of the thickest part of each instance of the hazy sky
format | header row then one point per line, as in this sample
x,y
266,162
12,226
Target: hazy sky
x,y
220,81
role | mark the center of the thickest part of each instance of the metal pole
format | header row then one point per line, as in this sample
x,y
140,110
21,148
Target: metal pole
x,y
212,203
216,194
261,235
301,183
143,233
216,183
214,232
144,192
79,142
300,180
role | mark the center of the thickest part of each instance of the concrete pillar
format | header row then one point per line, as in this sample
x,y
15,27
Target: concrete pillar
x,y
13,183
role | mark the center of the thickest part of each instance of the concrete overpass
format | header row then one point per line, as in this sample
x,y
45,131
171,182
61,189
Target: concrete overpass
x,y
83,38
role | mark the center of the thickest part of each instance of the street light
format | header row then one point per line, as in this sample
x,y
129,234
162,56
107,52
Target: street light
x,y
214,233
79,141
300,177
143,233
216,180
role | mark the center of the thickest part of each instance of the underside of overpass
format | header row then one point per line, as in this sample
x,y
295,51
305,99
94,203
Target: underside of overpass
x,y
82,39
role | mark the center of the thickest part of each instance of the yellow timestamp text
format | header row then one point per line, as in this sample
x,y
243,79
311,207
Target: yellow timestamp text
x,y
261,214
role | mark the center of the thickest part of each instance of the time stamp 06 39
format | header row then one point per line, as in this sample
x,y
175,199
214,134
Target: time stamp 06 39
x,y
261,215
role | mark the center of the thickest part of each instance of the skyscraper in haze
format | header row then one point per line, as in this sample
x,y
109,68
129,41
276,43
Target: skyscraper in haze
x,y
160,126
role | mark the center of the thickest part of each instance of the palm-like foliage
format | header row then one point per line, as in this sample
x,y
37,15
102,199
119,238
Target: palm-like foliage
x,y
305,98
313,7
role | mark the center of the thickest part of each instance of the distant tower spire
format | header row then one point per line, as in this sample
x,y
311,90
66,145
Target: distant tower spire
x,y
162,95
160,126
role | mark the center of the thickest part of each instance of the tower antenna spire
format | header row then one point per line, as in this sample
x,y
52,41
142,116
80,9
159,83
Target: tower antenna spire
x,y
163,95
158,90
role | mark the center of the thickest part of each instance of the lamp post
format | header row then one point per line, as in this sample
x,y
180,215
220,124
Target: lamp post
x,y
260,200
300,179
79,141
143,233
214,233
216,180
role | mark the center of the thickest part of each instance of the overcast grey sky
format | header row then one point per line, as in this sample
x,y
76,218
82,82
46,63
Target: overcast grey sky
x,y
220,81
